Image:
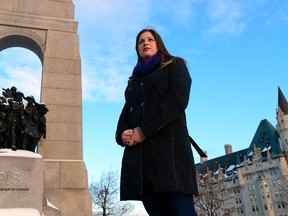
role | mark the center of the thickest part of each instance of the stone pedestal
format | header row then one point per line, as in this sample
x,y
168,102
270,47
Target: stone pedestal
x,y
21,180
19,212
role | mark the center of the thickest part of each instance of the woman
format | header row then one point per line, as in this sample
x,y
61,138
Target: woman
x,y
158,165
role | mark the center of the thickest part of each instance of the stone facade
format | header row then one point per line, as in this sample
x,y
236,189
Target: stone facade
x,y
48,28
252,181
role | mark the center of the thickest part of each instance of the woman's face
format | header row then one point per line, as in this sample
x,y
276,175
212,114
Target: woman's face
x,y
147,46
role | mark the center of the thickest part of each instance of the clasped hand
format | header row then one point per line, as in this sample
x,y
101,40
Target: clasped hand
x,y
132,137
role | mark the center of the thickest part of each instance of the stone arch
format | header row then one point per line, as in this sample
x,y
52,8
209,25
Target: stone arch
x,y
23,38
48,28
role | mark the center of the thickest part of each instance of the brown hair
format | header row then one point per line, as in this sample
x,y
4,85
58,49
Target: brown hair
x,y
166,57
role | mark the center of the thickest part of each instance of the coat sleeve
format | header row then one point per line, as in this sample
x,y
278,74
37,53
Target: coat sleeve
x,y
122,125
175,103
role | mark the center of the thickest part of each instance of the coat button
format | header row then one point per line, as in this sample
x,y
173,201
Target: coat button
x,y
131,109
141,84
142,104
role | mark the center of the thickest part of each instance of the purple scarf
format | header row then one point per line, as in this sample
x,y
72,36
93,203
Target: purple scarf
x,y
144,68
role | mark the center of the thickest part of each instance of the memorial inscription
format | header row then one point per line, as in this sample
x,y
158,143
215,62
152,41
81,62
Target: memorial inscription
x,y
21,179
10,181
9,178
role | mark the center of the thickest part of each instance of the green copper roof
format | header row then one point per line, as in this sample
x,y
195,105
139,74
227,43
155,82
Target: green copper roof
x,y
224,161
266,138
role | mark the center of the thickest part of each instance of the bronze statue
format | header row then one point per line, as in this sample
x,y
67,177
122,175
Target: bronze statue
x,y
21,126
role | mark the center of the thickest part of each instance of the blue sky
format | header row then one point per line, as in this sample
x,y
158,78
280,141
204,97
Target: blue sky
x,y
237,52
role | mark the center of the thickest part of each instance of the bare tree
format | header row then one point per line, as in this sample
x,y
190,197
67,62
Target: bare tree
x,y
214,199
105,196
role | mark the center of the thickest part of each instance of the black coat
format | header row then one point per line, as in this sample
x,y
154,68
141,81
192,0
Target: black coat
x,y
164,161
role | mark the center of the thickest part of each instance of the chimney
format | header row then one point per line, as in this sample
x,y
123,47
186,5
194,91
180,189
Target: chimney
x,y
228,149
203,159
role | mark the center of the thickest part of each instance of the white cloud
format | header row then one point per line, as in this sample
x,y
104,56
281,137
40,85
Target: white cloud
x,y
280,16
21,68
25,79
112,14
105,82
283,15
107,30
101,88
226,16
178,12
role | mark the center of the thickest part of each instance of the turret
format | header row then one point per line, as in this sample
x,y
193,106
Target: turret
x,y
282,120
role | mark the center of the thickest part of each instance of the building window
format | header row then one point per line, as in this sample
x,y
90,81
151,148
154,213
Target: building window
x,y
249,177
258,163
252,197
251,187
260,184
278,182
273,172
240,211
270,206
238,200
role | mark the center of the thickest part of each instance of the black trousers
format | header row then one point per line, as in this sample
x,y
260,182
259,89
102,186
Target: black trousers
x,y
169,204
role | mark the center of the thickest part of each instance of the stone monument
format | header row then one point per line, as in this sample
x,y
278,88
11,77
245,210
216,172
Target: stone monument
x,y
48,28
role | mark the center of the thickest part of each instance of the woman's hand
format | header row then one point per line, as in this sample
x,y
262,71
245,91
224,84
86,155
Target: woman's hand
x,y
137,137
126,136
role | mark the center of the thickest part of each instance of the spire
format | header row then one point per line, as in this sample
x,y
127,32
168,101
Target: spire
x,y
257,152
220,172
282,102
208,175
